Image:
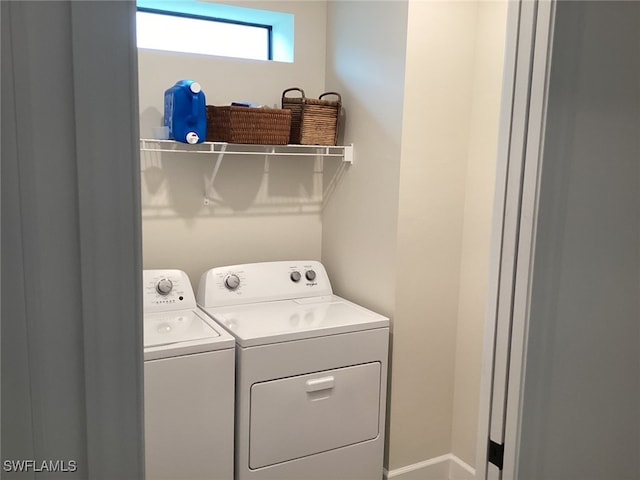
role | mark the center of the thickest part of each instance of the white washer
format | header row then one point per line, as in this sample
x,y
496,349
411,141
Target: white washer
x,y
311,372
189,375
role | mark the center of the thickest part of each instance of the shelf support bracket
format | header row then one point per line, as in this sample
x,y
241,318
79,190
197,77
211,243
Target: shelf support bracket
x,y
209,184
348,154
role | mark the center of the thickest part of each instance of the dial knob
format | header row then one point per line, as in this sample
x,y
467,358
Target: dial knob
x,y
232,282
311,275
295,276
164,286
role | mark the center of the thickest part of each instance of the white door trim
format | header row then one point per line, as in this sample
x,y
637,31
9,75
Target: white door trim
x,y
508,83
529,32
526,248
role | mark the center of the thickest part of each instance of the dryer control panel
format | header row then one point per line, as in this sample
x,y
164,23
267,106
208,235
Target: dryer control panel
x,y
262,282
166,290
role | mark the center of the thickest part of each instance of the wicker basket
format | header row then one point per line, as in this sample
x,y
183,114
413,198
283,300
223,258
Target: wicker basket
x,y
266,126
313,121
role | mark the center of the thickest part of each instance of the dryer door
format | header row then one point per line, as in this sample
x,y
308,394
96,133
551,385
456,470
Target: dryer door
x,y
299,416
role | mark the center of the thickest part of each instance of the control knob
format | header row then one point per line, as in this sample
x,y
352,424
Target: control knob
x,y
164,286
295,276
311,275
232,281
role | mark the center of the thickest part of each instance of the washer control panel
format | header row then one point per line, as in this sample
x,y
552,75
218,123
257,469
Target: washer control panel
x,y
262,282
166,290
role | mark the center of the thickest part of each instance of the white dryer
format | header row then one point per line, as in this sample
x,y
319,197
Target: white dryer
x,y
189,375
311,372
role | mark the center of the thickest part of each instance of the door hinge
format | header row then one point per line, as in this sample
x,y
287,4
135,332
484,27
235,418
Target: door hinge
x,y
496,454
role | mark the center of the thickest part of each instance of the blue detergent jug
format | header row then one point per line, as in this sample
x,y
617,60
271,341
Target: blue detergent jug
x,y
185,112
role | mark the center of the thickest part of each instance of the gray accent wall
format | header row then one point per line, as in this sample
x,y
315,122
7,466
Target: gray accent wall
x,y
71,248
581,412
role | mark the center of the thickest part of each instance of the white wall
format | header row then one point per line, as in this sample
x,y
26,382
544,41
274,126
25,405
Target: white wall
x,y
424,122
478,210
437,115
261,210
365,62
360,219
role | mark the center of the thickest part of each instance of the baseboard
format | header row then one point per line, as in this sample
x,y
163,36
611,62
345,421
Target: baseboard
x,y
460,470
444,467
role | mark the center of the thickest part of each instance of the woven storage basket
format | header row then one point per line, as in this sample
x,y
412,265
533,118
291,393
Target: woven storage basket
x,y
313,121
266,126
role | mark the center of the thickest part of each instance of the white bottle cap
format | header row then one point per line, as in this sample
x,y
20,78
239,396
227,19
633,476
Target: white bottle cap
x,y
195,87
192,138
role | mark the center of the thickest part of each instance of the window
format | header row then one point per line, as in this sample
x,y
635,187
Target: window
x,y
208,36
206,28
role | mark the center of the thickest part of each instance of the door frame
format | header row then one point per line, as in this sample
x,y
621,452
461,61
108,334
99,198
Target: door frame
x,y
519,162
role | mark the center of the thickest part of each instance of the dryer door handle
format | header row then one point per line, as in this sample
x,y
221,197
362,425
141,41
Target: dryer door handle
x,y
322,383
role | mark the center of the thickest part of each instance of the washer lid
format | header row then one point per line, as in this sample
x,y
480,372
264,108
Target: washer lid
x,y
181,332
282,321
